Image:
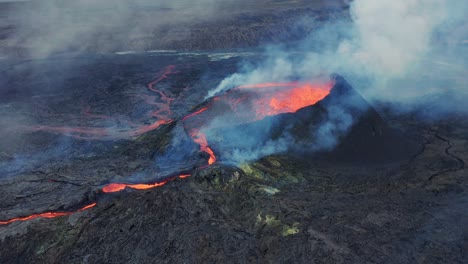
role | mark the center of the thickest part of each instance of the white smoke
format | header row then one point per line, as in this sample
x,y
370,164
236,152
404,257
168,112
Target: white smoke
x,y
239,156
392,36
275,69
338,122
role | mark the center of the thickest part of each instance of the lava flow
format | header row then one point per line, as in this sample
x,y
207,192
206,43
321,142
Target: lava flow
x,y
241,105
117,187
158,99
46,215
109,188
200,139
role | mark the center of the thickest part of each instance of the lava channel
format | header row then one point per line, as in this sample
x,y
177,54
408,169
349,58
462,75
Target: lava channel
x,y
162,113
117,187
109,188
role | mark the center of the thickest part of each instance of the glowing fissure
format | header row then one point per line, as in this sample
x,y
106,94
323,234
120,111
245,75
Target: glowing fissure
x,y
195,113
109,188
200,139
117,187
46,215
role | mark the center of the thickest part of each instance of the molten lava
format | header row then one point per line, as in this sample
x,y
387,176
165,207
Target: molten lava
x,y
110,188
117,187
46,215
200,139
241,105
278,98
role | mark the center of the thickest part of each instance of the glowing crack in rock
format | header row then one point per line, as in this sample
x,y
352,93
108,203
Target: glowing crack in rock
x,y
46,215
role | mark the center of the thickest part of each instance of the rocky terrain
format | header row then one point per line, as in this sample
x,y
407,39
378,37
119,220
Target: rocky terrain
x,y
98,163
278,209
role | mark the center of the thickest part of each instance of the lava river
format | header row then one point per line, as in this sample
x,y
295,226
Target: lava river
x,y
243,104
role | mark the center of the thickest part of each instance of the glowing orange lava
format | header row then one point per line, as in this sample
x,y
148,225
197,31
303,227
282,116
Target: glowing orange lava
x,y
200,139
110,188
117,187
286,97
46,215
195,113
183,176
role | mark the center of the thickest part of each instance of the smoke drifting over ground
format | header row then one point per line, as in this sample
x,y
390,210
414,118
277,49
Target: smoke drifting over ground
x,y
46,27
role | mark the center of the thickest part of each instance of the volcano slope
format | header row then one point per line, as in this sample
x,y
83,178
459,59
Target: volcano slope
x,y
280,208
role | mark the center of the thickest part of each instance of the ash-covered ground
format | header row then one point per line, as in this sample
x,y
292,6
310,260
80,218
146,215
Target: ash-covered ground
x,y
98,163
